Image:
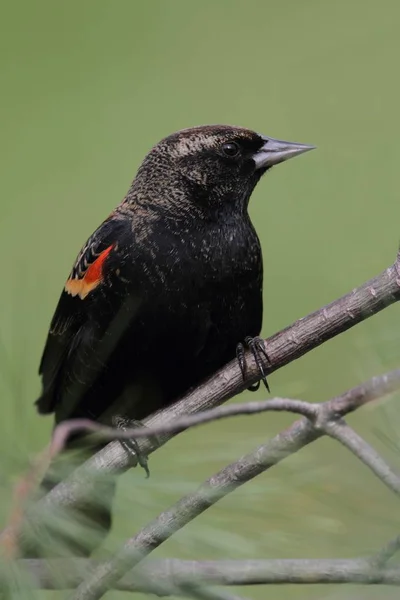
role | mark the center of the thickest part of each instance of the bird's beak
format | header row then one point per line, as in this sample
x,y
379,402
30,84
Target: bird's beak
x,y
273,152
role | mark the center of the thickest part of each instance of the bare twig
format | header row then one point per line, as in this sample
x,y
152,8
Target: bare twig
x,y
319,414
67,428
69,573
340,431
381,558
296,340
283,347
375,388
236,474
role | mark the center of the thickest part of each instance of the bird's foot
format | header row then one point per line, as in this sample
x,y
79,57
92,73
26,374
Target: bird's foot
x,y
131,445
256,345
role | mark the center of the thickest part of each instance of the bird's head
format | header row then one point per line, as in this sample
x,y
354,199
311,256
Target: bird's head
x,y
219,164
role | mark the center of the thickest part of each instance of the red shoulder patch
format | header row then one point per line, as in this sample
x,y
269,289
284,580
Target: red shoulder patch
x,y
91,278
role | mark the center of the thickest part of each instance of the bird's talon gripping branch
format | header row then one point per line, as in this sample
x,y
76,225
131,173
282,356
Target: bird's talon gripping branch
x,y
241,359
131,446
256,346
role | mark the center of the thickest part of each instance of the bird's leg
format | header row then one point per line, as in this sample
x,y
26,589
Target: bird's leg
x,y
256,346
131,445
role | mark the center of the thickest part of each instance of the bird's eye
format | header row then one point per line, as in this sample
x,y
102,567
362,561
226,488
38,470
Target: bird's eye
x,y
230,149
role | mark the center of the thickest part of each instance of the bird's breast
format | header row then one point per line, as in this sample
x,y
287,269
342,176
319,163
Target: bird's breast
x,y
189,268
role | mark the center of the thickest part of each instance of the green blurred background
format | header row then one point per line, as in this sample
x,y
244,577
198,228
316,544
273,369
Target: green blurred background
x,y
87,88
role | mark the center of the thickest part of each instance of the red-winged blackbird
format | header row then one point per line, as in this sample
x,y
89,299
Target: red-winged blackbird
x,y
168,285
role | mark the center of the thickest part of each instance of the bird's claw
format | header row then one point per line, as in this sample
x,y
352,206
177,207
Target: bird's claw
x,y
131,445
256,346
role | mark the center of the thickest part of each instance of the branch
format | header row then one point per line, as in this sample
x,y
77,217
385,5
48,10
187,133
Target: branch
x,y
340,431
283,347
381,558
69,573
373,389
301,433
67,428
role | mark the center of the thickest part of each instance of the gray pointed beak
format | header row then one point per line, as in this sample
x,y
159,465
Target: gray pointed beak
x,y
274,152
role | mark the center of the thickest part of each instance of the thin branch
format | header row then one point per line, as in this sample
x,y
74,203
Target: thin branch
x,y
319,414
381,558
372,389
375,388
190,506
283,347
228,479
340,431
294,341
69,573
67,428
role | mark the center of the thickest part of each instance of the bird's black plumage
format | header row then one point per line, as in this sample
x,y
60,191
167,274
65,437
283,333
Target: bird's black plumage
x,y
168,285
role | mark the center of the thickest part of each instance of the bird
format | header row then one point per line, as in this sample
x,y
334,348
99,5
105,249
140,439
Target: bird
x,y
166,290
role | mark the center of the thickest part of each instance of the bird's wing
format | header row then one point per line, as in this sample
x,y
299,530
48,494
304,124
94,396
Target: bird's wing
x,y
73,323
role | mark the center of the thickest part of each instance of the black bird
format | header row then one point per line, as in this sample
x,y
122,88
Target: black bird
x,y
166,288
